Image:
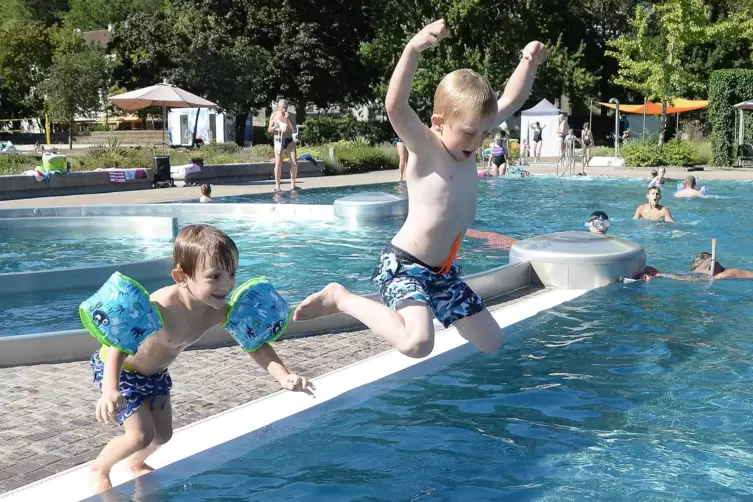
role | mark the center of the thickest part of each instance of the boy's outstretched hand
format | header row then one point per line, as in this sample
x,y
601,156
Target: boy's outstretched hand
x,y
297,383
430,36
536,52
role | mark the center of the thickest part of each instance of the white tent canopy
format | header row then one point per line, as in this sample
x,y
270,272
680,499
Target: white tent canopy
x,y
745,105
547,115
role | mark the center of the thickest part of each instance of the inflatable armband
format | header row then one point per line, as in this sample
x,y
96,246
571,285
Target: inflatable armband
x,y
704,190
258,314
680,186
120,314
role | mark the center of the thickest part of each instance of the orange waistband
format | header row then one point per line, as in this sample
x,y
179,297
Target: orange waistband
x,y
447,265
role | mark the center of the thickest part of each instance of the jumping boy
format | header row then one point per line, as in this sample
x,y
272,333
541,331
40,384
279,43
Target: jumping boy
x,y
416,274
136,389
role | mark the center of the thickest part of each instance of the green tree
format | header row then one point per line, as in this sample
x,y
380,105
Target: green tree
x,y
98,14
25,55
565,74
655,57
76,84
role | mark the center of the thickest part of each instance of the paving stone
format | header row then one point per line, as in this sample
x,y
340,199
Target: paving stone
x,y
47,423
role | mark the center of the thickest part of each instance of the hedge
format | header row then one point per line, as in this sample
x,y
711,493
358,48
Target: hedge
x,y
322,130
647,154
727,88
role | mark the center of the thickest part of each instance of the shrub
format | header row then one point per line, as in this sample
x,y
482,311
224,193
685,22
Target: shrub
x,y
641,154
16,163
333,129
679,153
647,154
726,88
220,149
262,151
349,160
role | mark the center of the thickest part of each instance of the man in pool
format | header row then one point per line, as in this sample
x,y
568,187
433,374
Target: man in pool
x,y
598,223
690,191
701,264
653,210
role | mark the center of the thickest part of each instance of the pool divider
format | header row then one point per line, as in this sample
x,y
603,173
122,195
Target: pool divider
x,y
78,345
73,484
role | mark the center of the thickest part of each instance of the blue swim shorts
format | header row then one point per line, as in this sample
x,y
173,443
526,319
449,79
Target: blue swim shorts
x,y
400,276
135,387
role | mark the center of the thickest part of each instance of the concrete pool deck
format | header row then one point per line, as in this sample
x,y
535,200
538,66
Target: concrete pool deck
x,y
267,186
47,422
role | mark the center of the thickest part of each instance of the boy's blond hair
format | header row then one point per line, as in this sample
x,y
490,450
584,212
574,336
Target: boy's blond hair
x,y
198,245
464,94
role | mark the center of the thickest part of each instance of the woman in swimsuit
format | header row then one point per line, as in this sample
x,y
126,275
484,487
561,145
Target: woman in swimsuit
x,y
498,157
537,128
587,137
282,126
402,153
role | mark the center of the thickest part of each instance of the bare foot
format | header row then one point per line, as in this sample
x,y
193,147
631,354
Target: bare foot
x,y
320,304
141,470
277,188
100,482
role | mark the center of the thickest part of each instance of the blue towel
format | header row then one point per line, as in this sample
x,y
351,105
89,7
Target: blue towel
x,y
307,156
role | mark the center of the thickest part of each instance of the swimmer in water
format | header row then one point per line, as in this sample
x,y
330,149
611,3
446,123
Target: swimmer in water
x,y
701,264
416,274
653,210
598,223
690,191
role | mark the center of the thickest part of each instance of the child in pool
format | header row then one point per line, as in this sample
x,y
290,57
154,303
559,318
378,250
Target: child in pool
x,y
136,389
416,273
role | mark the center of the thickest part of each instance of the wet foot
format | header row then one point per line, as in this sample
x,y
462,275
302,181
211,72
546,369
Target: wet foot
x,y
99,482
277,188
320,304
141,470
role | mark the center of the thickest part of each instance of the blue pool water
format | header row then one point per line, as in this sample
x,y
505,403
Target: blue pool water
x,y
34,250
638,392
302,257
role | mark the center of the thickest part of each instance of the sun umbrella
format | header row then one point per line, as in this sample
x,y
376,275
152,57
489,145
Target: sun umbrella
x,y
164,95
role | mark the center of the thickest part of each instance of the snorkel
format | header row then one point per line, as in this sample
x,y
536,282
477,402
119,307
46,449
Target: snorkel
x,y
713,257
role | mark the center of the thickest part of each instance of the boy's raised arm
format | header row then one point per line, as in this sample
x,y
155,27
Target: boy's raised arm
x,y
404,120
519,86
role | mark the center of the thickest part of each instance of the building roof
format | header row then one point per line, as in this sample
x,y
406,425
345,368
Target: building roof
x,y
543,108
101,37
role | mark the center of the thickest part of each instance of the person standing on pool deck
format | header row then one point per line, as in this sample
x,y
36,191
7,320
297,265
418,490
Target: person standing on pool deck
x,y
537,129
136,389
282,125
416,273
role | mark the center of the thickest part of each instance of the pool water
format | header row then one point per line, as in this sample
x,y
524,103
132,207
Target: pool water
x,y
32,251
638,392
301,257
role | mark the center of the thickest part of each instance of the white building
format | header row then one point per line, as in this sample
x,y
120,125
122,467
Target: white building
x,y
212,127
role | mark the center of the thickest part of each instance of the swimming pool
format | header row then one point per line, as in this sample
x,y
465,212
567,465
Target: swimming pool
x,y
631,392
34,251
301,257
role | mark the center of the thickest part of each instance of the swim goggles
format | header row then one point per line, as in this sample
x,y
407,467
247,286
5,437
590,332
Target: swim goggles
x,y
598,224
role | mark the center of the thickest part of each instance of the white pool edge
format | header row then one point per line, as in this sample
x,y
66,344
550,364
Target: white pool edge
x,y
73,484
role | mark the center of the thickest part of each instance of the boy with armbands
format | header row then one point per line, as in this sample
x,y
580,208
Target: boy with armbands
x,y
142,335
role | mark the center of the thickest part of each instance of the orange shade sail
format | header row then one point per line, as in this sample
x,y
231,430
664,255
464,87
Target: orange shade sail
x,y
676,106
